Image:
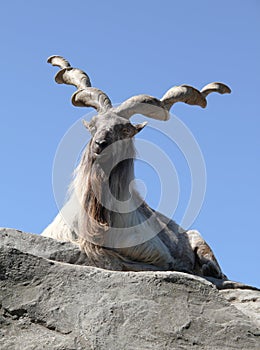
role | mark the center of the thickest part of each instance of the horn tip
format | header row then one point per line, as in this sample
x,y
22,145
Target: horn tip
x,y
223,88
49,59
228,90
59,61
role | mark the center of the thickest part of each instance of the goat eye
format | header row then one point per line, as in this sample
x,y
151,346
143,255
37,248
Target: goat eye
x,y
125,131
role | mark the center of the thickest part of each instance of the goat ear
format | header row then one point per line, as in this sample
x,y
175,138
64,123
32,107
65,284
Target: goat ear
x,y
85,123
139,127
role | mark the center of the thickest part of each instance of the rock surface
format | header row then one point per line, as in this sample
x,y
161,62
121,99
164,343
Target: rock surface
x,y
50,300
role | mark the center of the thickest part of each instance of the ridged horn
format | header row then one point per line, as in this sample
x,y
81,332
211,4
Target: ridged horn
x,y
192,96
159,109
183,93
58,61
143,104
215,87
85,96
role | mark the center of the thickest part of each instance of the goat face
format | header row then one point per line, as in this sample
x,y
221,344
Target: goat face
x,y
110,135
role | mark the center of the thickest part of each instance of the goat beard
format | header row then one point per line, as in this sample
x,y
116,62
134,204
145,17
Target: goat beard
x,y
98,188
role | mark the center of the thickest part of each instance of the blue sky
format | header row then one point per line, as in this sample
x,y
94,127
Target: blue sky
x,y
129,48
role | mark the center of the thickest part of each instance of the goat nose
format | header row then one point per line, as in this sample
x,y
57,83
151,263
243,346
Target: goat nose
x,y
101,144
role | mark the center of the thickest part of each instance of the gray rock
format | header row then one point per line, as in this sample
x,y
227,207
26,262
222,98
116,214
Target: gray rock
x,y
42,247
248,301
47,304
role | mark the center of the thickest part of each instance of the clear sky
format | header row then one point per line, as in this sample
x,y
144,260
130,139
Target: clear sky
x,y
127,48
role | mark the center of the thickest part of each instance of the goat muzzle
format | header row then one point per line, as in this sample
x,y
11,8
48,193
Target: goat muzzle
x,y
99,146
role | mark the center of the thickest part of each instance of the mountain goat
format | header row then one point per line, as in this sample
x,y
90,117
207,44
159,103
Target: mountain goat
x,y
104,215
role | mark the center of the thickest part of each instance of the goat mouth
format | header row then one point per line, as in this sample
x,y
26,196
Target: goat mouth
x,y
102,156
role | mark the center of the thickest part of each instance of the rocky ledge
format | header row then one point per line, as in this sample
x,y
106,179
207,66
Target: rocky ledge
x,y
51,300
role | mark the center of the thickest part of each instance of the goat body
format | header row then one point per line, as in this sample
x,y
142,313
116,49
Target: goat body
x,y
105,215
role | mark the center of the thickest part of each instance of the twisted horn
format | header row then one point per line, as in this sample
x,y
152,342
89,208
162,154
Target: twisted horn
x,y
192,96
58,61
144,104
183,93
215,87
85,96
